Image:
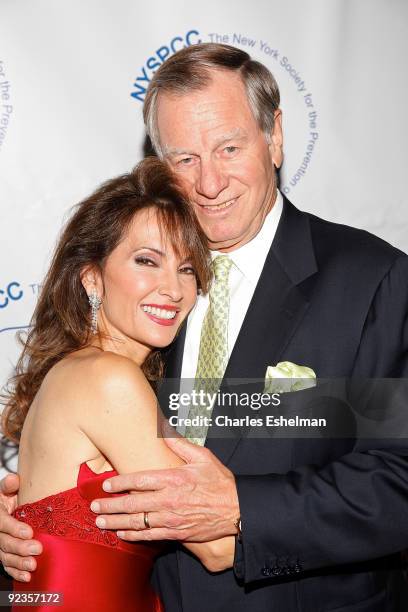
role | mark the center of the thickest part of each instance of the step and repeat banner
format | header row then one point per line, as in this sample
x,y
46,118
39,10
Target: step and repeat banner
x,y
73,76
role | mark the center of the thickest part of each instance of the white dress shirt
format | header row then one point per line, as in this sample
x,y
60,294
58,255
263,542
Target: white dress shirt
x,y
244,275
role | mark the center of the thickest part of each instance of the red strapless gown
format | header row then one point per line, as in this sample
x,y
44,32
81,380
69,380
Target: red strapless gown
x,y
93,569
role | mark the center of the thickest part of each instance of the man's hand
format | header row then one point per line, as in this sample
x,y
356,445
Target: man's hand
x,y
16,545
196,502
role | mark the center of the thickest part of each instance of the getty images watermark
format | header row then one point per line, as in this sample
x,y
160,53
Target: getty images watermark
x,y
353,408
235,402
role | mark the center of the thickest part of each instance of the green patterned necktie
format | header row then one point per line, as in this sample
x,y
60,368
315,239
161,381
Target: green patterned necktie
x,y
213,353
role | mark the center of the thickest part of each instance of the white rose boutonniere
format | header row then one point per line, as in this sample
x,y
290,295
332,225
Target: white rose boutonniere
x,y
287,376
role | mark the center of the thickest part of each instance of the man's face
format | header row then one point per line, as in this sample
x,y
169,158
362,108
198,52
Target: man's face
x,y
213,143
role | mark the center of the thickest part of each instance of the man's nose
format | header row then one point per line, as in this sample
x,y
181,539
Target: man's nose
x,y
211,180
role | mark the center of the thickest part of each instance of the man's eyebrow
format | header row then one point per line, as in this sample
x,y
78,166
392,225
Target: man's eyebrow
x,y
175,151
235,133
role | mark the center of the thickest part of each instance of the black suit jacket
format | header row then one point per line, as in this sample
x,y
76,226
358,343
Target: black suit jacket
x,y
322,519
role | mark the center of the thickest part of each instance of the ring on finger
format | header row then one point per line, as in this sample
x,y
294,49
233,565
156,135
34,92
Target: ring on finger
x,y
146,520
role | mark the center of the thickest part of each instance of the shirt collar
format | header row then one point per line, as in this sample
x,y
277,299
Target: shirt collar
x,y
250,258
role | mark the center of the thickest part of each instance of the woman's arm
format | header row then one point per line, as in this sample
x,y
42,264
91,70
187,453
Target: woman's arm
x,y
123,420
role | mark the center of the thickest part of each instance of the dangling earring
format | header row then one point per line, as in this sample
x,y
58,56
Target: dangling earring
x,y
95,303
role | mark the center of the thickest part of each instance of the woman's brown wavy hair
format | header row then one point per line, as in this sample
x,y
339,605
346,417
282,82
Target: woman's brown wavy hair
x,y
61,320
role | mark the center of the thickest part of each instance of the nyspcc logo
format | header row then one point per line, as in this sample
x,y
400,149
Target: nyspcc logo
x,y
10,293
158,57
17,302
290,78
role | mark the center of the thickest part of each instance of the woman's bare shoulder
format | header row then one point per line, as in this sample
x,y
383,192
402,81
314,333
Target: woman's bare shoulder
x,y
107,379
90,367
94,376
109,370
121,405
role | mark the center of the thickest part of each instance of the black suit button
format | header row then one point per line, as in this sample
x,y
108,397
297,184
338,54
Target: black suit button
x,y
277,570
266,571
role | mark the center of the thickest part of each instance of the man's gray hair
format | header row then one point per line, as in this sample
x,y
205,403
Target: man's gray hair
x,y
190,70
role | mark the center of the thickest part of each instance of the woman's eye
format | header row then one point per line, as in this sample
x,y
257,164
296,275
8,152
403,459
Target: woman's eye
x,y
187,270
145,261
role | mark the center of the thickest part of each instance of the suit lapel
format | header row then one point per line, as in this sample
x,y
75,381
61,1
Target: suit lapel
x,y
276,309
278,303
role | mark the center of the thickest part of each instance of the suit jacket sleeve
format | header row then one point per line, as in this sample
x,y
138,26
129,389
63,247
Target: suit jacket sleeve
x,y
354,508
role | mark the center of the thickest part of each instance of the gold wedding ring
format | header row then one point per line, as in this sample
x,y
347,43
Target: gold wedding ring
x,y
146,520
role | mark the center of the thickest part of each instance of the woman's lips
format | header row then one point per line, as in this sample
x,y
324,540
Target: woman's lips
x,y
162,314
165,322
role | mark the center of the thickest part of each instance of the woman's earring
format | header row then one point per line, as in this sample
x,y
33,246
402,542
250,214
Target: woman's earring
x,y
95,303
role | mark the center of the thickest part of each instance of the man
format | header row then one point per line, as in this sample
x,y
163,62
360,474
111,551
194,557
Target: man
x,y
322,521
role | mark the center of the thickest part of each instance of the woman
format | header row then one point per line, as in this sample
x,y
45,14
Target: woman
x,y
124,276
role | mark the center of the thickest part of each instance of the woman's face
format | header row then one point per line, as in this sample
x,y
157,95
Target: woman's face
x,y
147,291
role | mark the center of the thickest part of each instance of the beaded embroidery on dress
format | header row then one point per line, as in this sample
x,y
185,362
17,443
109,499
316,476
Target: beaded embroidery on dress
x,y
92,568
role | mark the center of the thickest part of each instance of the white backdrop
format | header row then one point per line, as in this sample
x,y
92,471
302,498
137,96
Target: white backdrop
x,y
68,119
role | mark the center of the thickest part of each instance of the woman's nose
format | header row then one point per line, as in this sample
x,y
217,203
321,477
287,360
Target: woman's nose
x,y
171,287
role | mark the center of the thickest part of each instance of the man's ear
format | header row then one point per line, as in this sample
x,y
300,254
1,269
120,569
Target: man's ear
x,y
276,144
91,280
